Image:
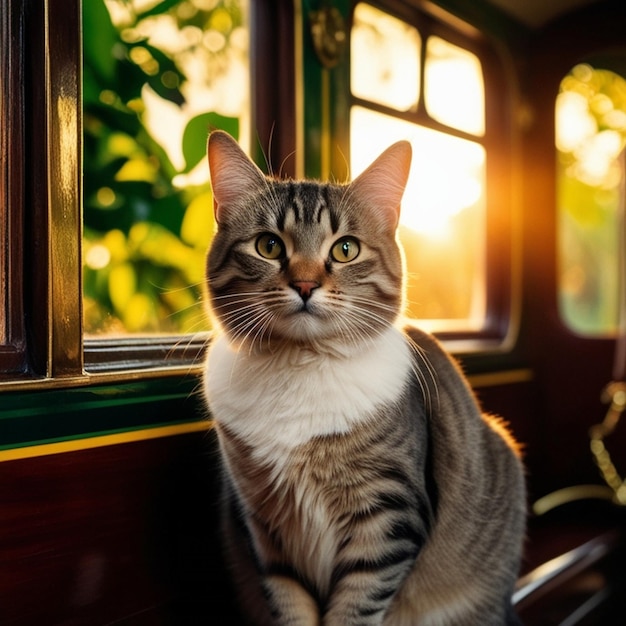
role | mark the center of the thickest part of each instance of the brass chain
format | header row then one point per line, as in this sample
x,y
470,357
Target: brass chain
x,y
614,394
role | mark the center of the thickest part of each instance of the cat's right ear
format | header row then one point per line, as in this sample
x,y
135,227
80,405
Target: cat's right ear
x,y
234,176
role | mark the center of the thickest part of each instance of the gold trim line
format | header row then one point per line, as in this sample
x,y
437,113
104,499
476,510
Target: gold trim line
x,y
506,377
101,441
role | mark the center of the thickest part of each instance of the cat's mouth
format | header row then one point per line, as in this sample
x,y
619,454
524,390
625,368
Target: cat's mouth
x,y
307,306
305,309
305,321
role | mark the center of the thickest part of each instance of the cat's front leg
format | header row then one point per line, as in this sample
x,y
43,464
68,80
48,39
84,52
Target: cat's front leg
x,y
361,600
290,603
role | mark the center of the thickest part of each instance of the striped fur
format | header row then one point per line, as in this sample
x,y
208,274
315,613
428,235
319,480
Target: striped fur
x,y
362,484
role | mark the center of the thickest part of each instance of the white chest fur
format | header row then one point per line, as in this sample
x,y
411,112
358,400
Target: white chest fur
x,y
286,398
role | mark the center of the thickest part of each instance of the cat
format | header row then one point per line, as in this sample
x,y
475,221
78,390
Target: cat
x,y
362,484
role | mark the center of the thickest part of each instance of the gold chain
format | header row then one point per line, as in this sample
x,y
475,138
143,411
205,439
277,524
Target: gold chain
x,y
615,394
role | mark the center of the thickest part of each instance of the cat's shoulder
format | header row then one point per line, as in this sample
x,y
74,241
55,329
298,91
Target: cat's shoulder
x,y
419,337
427,345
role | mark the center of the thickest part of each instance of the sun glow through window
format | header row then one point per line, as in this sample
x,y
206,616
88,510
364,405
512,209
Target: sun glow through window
x,y
443,218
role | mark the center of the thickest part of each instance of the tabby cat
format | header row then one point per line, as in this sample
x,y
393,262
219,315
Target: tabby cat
x,y
362,484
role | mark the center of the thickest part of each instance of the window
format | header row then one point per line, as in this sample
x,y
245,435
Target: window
x,y
106,106
103,179
157,78
411,79
590,140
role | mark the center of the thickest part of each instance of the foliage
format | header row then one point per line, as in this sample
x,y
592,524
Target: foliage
x,y
591,136
145,237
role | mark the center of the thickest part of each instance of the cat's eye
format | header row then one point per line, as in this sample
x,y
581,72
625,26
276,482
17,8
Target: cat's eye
x,y
345,250
270,246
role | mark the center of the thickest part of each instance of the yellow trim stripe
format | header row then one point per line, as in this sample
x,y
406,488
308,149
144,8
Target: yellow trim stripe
x,y
27,452
75,445
506,377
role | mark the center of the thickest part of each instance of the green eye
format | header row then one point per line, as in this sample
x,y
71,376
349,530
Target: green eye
x,y
270,246
345,250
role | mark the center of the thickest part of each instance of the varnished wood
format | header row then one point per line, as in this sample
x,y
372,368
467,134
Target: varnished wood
x,y
12,339
122,534
63,116
274,117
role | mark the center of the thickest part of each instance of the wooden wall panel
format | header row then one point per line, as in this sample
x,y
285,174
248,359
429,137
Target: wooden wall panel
x,y
123,534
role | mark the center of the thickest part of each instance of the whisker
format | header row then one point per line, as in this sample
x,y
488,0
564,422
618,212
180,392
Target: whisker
x,y
254,331
197,303
241,294
420,374
365,312
357,325
425,375
185,287
353,331
257,297
187,341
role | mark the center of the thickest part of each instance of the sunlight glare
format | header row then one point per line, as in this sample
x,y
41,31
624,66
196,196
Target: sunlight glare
x,y
574,122
447,173
577,132
453,76
386,53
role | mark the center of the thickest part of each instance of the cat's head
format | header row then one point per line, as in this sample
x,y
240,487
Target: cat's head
x,y
300,261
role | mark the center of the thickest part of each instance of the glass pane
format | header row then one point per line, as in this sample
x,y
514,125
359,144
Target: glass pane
x,y
157,77
385,59
454,91
442,224
590,139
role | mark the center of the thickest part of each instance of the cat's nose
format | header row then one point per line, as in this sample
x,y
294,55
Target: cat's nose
x,y
304,287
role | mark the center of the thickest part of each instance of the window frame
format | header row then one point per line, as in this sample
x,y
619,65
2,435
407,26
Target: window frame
x,y
12,330
501,307
41,221
152,354
41,187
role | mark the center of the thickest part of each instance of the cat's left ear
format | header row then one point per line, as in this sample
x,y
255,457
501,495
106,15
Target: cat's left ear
x,y
382,184
234,177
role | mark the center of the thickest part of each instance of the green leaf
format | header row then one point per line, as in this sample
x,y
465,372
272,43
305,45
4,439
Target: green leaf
x,y
197,132
100,37
130,79
158,9
91,86
116,118
167,80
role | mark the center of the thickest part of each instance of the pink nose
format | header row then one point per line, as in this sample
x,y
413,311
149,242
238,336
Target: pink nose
x,y
304,287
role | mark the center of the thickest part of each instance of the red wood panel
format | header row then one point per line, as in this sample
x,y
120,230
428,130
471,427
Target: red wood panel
x,y
124,534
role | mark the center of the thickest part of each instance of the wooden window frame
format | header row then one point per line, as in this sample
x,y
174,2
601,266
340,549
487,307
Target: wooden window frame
x,y
12,332
41,334
41,189
41,186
